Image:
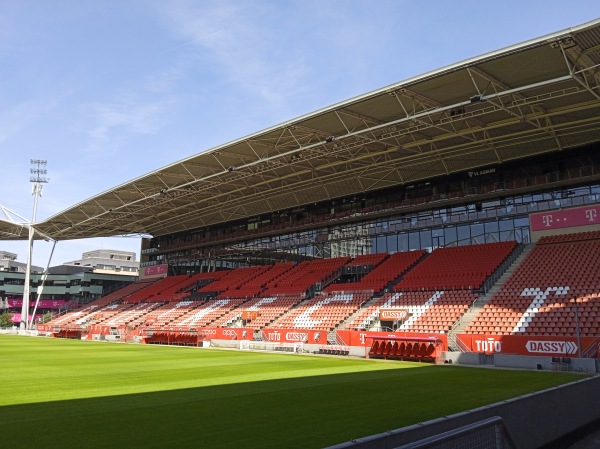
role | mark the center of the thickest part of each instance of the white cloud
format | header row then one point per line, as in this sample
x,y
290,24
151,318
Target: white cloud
x,y
19,116
7,29
163,82
142,107
137,117
241,44
112,122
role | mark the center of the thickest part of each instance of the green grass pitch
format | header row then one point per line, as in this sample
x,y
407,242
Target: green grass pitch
x,y
67,393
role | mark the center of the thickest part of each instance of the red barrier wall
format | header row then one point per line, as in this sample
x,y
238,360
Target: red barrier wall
x,y
283,335
225,333
358,338
527,345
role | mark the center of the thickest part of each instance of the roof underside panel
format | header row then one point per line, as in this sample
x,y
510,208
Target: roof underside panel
x,y
537,97
10,230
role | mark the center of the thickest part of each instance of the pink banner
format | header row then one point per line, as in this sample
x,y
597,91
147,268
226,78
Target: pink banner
x,y
16,318
156,270
43,304
567,218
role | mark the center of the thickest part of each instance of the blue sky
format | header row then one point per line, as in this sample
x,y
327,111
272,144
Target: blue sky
x,y
107,91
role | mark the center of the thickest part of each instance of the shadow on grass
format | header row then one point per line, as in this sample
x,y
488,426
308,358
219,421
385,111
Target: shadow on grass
x,y
307,412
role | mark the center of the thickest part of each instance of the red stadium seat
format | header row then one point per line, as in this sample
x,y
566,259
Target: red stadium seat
x,y
374,348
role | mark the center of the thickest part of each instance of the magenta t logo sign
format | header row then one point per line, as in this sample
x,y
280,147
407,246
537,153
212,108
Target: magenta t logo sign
x,y
547,220
591,215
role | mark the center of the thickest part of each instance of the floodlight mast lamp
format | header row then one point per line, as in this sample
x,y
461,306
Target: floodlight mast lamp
x,y
37,171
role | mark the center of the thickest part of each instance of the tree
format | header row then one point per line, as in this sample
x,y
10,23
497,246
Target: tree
x,y
6,320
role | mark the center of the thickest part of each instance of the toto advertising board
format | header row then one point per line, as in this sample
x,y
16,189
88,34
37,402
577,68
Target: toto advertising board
x,y
527,345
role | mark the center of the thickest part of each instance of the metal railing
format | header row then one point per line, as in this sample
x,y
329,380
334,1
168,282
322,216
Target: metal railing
x,y
490,433
592,350
489,283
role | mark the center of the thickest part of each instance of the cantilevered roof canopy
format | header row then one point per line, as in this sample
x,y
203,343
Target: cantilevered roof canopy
x,y
537,97
13,231
12,225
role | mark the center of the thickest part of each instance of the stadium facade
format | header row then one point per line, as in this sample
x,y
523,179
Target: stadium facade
x,y
497,155
477,206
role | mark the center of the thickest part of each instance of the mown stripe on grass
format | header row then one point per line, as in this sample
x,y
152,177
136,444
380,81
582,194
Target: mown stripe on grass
x,y
99,395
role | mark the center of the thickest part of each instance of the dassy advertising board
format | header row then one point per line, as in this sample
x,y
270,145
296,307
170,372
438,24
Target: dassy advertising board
x,y
393,314
358,338
526,345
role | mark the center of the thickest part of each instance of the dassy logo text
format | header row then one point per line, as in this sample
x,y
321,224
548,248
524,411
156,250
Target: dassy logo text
x,y
295,336
391,314
551,347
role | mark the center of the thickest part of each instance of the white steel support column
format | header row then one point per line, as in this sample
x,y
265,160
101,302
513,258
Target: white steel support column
x,y
41,286
26,287
38,180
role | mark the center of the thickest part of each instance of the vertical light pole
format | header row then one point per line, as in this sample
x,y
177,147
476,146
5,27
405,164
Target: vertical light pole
x,y
38,179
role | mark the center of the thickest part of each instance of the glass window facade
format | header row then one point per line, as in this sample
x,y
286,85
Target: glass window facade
x,y
489,221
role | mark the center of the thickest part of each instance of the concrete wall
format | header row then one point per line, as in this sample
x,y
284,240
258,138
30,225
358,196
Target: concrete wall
x,y
470,358
355,351
532,420
522,362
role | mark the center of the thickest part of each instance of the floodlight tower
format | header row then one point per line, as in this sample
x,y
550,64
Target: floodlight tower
x,y
37,171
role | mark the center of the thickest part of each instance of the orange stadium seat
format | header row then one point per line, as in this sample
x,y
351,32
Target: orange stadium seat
x,y
544,300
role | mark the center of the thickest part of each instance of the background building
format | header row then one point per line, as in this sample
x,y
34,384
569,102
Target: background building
x,y
65,286
108,261
8,262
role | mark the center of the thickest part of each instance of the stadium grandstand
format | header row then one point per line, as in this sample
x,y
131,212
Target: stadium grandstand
x,y
457,211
